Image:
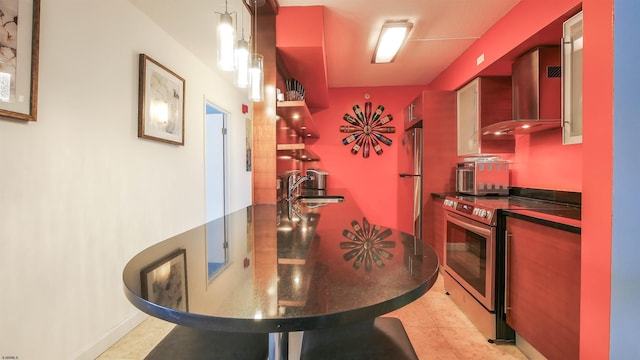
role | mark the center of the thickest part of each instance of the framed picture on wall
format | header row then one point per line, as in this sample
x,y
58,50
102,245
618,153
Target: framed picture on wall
x,y
19,40
164,282
160,102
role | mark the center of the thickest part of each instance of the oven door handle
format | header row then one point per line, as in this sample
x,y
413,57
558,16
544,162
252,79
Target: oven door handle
x,y
466,224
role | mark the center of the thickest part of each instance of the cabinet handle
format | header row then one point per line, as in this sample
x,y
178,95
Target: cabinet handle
x,y
507,251
565,71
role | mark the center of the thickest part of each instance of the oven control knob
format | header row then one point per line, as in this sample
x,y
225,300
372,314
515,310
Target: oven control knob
x,y
482,213
449,203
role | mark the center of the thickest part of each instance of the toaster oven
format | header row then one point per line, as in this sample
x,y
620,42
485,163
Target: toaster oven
x,y
489,177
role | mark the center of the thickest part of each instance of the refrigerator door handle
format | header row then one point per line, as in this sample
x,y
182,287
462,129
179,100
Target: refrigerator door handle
x,y
409,175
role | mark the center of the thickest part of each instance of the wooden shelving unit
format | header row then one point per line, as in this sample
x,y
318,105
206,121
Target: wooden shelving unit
x,y
296,123
300,154
297,117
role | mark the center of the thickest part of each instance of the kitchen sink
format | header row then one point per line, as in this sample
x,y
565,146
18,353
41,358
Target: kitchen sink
x,y
320,199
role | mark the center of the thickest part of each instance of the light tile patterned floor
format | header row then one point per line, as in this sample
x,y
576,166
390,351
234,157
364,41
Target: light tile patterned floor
x,y
437,328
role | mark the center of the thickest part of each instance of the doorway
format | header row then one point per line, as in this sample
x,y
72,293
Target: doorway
x,y
215,187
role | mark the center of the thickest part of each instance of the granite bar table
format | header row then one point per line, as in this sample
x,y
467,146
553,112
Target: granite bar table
x,y
248,279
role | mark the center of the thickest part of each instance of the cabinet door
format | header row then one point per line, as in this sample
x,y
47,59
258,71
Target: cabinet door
x,y
543,287
468,121
438,236
413,113
572,81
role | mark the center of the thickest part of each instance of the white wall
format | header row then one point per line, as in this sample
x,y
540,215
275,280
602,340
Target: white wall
x,y
80,193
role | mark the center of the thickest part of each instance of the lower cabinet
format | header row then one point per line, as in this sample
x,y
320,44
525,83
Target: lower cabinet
x,y
435,212
543,287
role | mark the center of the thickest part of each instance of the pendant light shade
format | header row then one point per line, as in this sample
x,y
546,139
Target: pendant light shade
x,y
242,58
226,38
256,74
256,67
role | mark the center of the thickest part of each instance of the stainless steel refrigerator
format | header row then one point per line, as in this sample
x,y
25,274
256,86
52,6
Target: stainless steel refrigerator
x,y
410,182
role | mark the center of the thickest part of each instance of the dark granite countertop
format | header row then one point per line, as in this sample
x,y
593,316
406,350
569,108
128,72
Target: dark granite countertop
x,y
286,267
564,219
561,209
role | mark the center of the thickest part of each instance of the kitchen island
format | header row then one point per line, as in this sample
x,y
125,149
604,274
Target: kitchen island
x,y
293,266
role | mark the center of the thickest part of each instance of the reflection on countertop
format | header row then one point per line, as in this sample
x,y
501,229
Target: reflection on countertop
x,y
286,262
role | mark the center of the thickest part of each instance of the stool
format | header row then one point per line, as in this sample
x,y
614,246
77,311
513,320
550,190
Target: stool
x,y
384,338
186,343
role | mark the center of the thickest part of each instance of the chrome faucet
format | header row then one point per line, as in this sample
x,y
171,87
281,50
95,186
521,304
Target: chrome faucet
x,y
293,185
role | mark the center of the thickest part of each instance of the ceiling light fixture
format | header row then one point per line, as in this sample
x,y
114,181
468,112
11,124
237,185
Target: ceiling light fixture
x,y
242,56
392,36
226,41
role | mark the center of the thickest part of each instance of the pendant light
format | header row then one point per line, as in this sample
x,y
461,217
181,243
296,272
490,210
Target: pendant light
x,y
242,58
256,71
226,38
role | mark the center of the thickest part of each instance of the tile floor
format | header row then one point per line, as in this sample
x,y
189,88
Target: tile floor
x,y
436,327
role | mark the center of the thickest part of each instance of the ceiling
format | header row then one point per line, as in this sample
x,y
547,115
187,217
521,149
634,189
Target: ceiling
x,y
443,29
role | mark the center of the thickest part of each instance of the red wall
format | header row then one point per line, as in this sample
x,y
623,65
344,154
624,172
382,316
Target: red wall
x,y
542,162
598,179
372,181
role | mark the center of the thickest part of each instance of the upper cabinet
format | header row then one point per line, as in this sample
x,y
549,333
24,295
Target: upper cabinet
x,y
572,81
413,113
482,102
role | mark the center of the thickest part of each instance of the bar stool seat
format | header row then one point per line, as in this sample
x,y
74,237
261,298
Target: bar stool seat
x,y
186,343
384,338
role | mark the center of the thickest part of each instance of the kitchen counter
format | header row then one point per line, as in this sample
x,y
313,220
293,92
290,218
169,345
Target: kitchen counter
x,y
287,267
553,211
568,219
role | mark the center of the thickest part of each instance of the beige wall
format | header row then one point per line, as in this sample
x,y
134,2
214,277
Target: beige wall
x,y
80,193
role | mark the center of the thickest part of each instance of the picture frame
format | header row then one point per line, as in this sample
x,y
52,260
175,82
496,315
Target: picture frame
x,y
164,282
160,102
19,59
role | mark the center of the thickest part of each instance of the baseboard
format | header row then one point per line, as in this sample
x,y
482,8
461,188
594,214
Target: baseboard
x,y
527,349
111,337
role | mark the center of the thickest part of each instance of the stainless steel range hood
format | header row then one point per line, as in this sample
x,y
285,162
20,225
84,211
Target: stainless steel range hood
x,y
536,86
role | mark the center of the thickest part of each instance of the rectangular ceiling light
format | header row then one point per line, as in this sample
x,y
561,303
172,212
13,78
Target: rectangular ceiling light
x,y
392,36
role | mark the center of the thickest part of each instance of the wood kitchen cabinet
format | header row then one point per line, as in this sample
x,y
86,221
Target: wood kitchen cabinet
x,y
543,287
438,109
482,102
572,81
413,113
437,236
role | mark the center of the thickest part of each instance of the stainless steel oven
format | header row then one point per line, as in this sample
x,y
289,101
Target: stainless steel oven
x,y
473,264
470,256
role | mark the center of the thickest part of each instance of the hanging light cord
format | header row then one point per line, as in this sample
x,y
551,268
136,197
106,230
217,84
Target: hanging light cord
x,y
242,20
255,29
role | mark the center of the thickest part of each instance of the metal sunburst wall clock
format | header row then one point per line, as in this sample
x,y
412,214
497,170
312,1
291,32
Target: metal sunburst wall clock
x,y
367,130
367,245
